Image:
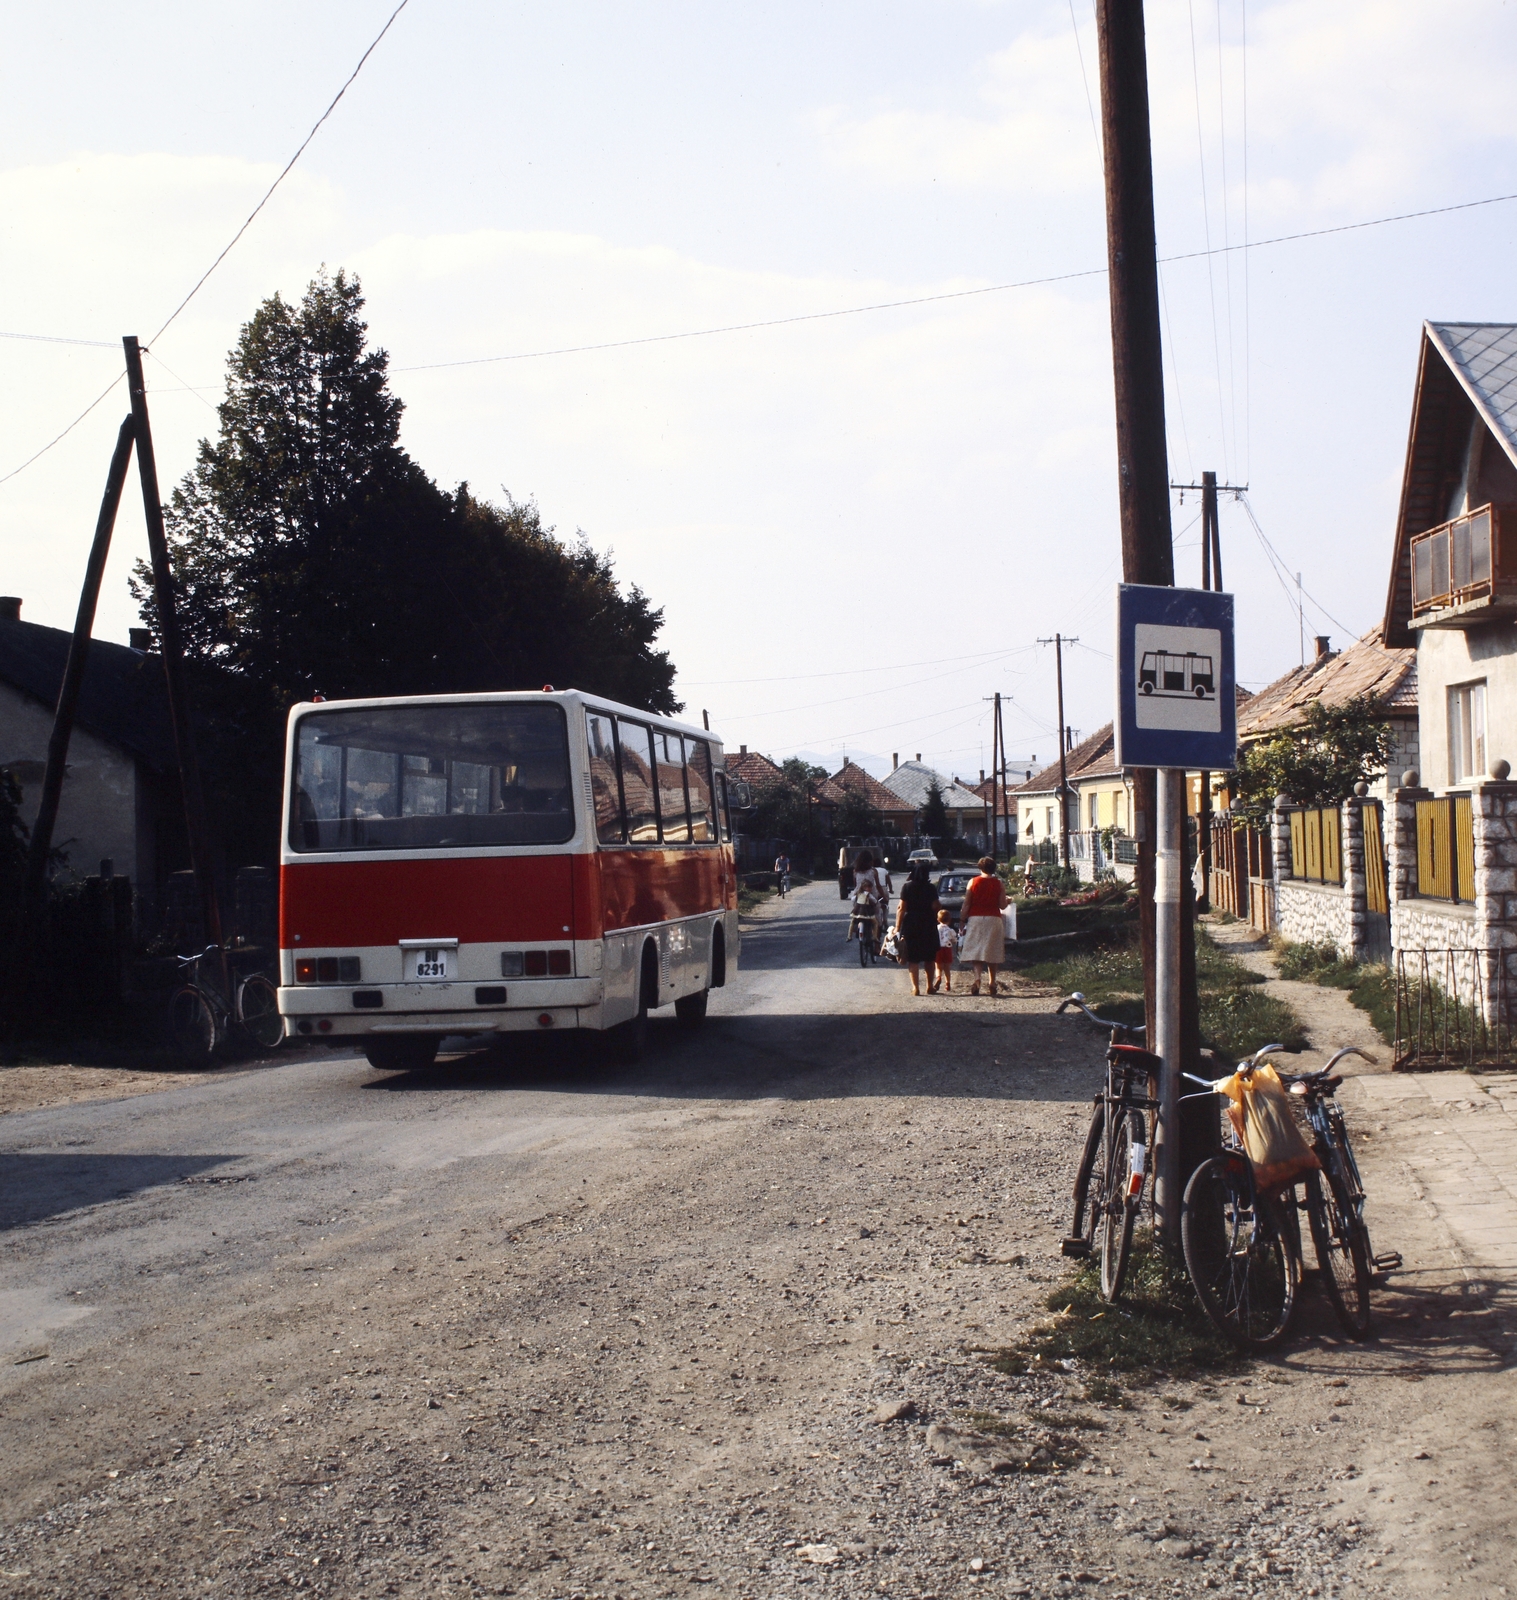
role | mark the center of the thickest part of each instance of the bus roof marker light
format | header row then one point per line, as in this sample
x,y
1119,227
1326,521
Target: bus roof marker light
x,y
548,688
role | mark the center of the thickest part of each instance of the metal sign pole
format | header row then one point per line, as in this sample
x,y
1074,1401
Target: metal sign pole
x,y
1168,882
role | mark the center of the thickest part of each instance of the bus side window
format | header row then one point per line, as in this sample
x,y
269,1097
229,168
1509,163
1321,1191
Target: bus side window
x,y
605,790
637,782
698,781
723,815
673,813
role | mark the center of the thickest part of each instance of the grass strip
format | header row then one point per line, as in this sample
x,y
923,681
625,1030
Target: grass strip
x,y
1156,1330
1238,1016
1370,987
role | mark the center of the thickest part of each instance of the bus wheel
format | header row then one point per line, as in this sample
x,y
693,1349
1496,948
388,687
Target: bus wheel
x,y
408,1053
690,1009
628,1041
718,958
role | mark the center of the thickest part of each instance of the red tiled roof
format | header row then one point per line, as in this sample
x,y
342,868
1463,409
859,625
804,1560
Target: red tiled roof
x,y
874,793
1091,758
1387,675
758,772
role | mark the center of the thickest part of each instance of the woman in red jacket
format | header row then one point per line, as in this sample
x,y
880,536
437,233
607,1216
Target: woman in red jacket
x,y
984,933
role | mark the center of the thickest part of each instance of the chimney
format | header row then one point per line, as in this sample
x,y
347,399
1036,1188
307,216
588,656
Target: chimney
x,y
1323,643
140,638
982,774
742,750
919,755
895,760
10,608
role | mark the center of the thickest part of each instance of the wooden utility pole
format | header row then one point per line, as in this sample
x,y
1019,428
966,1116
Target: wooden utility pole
x,y
73,681
1005,798
1147,547
173,655
1058,643
995,758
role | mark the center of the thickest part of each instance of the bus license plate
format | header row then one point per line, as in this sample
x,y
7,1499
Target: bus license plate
x,y
430,966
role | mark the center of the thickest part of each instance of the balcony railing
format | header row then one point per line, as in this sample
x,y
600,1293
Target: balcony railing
x,y
1458,572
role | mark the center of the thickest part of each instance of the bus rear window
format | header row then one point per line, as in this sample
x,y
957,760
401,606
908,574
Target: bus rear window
x,y
427,777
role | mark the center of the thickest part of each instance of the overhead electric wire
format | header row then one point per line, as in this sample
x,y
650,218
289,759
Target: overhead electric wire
x,y
1282,571
843,672
200,282
52,338
1211,281
952,294
315,128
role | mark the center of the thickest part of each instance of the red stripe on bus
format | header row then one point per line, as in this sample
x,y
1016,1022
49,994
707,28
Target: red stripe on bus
x,y
479,899
483,899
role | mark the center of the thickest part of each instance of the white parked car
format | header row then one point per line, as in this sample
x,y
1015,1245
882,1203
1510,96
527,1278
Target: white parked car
x,y
921,855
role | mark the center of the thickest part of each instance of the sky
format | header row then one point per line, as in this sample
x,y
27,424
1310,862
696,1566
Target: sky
x,y
859,526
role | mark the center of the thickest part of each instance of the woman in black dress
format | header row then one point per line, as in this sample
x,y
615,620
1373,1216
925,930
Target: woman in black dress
x,y
916,919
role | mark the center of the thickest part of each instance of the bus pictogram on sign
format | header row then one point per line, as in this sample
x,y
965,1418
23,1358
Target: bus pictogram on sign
x,y
1165,674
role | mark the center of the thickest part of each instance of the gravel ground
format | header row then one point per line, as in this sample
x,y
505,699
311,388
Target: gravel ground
x,y
525,1326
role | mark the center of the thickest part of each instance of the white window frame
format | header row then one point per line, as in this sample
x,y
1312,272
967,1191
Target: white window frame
x,y
1468,756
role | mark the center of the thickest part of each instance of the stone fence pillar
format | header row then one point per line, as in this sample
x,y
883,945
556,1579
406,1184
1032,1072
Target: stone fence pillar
x,y
1401,849
1357,945
1493,805
1280,839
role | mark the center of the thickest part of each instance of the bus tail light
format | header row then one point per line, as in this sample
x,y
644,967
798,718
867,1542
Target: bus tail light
x,y
510,963
545,1019
560,964
328,969
305,971
536,963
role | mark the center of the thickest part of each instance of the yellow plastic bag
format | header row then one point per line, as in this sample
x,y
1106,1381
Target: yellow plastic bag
x,y
1261,1115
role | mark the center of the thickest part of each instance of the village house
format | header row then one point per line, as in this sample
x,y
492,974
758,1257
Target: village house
x,y
1433,867
121,801
910,782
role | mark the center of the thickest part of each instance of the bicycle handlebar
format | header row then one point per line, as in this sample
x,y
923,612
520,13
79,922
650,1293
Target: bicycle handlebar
x,y
1078,1000
1347,1050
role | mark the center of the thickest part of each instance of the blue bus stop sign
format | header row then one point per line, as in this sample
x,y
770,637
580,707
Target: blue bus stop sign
x,y
1176,704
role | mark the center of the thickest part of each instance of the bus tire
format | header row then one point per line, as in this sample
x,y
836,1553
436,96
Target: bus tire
x,y
408,1053
690,1009
718,957
628,1041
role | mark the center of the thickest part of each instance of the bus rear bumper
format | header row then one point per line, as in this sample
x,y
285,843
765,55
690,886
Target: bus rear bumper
x,y
444,1024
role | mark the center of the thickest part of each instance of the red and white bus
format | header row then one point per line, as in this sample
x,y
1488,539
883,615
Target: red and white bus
x,y
491,863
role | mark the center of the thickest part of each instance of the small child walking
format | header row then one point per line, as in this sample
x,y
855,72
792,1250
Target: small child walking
x,y
948,949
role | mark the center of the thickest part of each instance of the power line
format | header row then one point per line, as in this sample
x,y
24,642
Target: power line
x,y
846,672
283,175
1281,571
50,338
200,282
954,294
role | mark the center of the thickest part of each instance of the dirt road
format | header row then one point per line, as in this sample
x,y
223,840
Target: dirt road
x,y
521,1325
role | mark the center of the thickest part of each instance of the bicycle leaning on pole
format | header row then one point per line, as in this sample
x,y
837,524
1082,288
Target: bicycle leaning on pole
x,y
1108,1192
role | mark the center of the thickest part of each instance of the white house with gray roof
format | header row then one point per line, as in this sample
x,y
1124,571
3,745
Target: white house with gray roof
x,y
966,810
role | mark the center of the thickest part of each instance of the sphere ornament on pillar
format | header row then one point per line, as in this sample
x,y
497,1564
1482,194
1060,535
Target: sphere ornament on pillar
x,y
1361,788
1501,770
1282,802
1411,778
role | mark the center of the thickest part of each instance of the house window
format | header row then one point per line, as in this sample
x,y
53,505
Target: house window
x,y
1031,825
1048,821
1095,811
1466,732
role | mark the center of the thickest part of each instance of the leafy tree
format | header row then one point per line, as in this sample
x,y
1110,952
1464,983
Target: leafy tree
x,y
781,810
1316,763
13,843
934,812
313,555
855,818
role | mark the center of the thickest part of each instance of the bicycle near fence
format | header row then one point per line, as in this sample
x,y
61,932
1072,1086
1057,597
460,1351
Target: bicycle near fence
x,y
201,1016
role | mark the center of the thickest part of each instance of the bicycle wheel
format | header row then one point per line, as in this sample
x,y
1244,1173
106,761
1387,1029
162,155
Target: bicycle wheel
x,y
1090,1183
863,948
258,1012
1238,1253
192,1028
1342,1253
1120,1208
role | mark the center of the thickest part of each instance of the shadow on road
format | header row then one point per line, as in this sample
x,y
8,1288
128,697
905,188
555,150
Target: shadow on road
x,y
38,1184
982,1055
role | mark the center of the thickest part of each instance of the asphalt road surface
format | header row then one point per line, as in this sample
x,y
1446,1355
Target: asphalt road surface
x,y
523,1324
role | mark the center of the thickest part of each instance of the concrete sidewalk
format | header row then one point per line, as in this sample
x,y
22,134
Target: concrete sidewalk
x,y
1451,1137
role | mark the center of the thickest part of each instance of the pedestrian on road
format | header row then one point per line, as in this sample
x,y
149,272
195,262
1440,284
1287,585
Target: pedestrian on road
x,y
916,920
782,873
845,874
984,943
948,948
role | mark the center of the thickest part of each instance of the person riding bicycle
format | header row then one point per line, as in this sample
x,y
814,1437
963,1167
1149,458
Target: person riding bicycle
x,y
782,872
864,914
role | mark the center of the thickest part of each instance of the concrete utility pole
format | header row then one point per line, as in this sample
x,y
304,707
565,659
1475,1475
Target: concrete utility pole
x,y
1211,578
1147,547
1058,642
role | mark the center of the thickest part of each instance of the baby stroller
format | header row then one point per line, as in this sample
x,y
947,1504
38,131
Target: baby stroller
x,y
864,925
